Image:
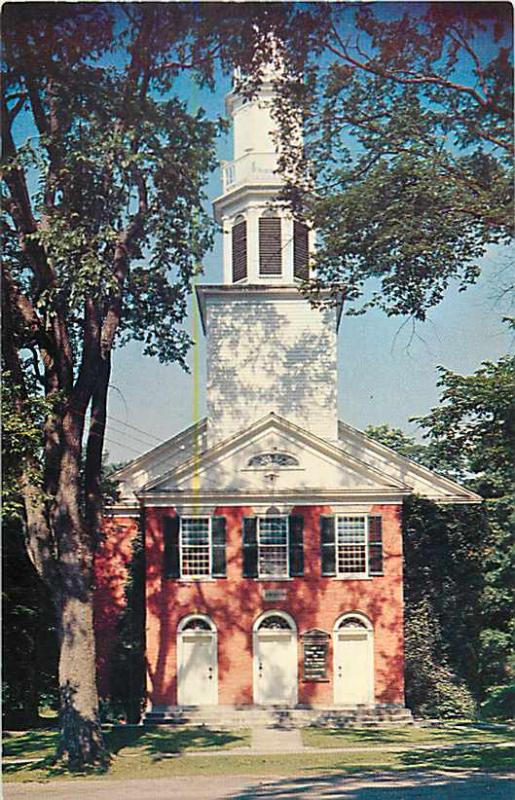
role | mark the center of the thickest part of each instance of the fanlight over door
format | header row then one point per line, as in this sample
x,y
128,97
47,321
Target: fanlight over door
x,y
353,661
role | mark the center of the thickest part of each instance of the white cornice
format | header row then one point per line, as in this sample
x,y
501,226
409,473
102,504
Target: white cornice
x,y
305,497
243,193
265,290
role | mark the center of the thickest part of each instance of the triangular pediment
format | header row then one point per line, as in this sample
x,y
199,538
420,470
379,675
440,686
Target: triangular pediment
x,y
273,456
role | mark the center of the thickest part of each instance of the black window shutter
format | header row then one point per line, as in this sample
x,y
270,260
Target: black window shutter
x,y
171,565
300,250
327,545
250,547
270,246
219,559
375,545
296,546
239,251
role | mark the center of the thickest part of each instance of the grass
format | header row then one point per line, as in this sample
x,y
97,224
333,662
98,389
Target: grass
x,y
297,764
446,732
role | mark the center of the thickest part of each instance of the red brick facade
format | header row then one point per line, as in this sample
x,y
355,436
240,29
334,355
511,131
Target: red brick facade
x,y
111,571
234,603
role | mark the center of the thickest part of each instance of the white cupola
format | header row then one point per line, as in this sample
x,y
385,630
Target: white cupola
x,y
262,243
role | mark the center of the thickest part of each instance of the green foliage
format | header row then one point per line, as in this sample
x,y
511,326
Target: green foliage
x,y
398,440
29,644
472,432
459,560
113,163
406,169
500,702
22,441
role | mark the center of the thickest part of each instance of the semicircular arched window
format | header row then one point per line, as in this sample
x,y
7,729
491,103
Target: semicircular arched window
x,y
273,460
197,624
352,622
275,622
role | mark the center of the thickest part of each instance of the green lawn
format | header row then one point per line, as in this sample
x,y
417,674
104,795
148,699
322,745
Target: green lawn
x,y
144,753
446,732
297,764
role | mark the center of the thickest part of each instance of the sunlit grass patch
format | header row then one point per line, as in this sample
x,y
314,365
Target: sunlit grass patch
x,y
451,733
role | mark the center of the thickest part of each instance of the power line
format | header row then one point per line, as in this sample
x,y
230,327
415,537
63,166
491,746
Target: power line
x,y
119,444
140,430
128,435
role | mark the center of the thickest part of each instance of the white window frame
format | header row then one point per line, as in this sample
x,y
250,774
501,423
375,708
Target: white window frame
x,y
203,576
268,577
357,576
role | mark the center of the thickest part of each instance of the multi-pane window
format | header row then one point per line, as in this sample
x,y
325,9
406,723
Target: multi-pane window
x,y
351,545
195,547
272,547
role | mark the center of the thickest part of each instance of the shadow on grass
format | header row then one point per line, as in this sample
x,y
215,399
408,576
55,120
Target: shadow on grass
x,y
466,757
49,767
31,743
154,743
159,743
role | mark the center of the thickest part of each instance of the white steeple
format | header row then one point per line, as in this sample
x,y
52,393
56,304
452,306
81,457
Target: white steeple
x,y
267,348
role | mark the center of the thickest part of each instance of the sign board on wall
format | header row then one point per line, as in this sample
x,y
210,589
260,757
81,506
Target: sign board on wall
x,y
316,647
274,595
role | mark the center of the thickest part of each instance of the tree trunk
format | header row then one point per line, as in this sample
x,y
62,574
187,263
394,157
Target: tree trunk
x,y
81,736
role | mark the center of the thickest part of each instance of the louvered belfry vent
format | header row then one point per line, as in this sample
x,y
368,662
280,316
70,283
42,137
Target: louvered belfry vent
x,y
239,251
269,245
300,250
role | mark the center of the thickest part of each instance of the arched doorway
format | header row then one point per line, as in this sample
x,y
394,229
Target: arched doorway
x,y
197,661
353,648
275,659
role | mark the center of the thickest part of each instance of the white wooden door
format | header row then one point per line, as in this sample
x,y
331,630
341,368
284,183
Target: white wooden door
x,y
275,668
353,669
197,674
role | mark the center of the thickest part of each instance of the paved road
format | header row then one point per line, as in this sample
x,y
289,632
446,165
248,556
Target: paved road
x,y
374,786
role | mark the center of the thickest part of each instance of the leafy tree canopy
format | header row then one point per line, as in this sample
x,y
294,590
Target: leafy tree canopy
x,y
406,169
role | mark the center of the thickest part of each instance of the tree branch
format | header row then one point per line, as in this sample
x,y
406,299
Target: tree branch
x,y
367,65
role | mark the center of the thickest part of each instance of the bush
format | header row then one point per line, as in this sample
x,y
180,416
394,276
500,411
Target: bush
x,y
432,688
500,703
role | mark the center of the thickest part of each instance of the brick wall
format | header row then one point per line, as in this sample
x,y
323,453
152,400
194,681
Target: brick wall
x,y
112,562
234,603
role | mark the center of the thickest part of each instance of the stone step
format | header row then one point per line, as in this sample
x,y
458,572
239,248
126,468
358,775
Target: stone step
x,y
250,716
